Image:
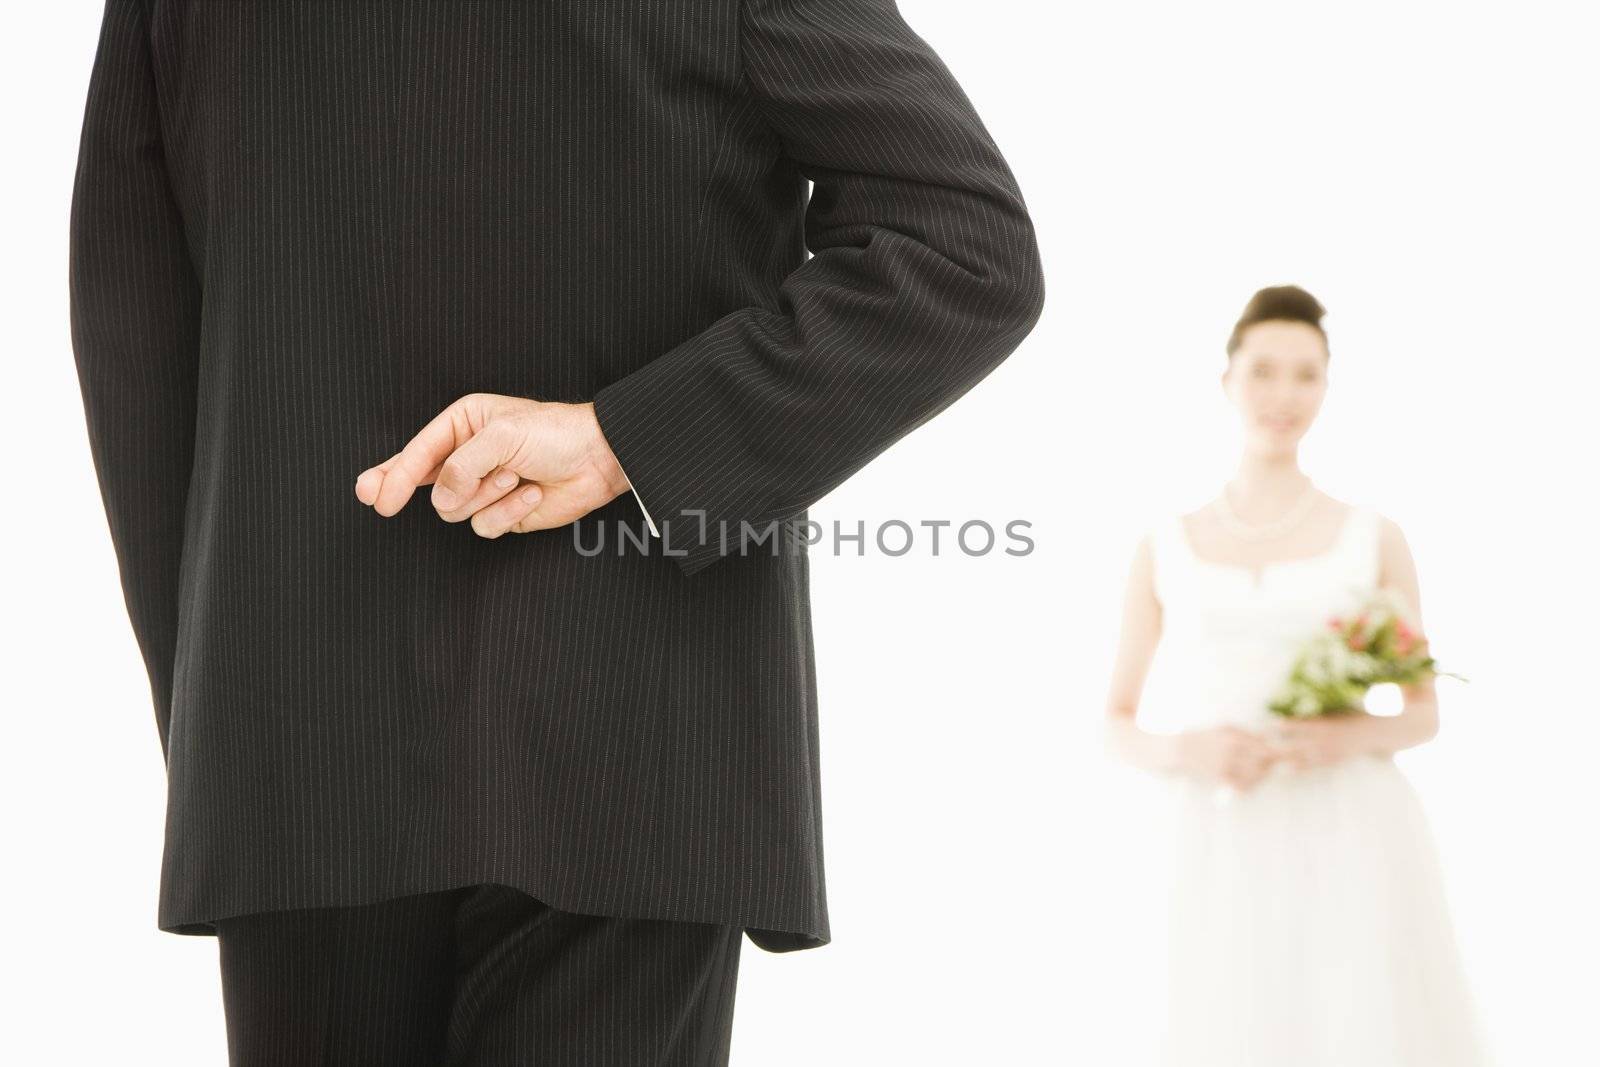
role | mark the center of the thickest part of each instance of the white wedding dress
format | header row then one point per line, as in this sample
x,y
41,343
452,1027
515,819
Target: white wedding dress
x,y
1309,926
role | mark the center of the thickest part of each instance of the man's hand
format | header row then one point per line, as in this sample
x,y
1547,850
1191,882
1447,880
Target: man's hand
x,y
507,463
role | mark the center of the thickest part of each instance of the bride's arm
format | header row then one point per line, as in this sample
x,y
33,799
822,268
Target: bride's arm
x,y
1136,648
1323,740
1418,720
1224,754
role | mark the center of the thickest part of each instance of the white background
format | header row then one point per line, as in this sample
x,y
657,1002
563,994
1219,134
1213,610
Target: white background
x,y
1426,170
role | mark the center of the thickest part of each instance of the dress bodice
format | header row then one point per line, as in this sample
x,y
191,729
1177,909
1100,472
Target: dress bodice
x,y
1230,635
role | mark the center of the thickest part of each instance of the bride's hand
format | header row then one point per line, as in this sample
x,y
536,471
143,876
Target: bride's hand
x,y
1226,754
1318,741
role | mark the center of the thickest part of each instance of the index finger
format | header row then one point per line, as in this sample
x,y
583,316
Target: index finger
x,y
418,462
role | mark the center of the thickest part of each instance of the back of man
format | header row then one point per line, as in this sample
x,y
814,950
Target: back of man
x,y
304,232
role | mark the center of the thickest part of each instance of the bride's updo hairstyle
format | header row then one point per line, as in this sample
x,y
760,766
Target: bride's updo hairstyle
x,y
1279,302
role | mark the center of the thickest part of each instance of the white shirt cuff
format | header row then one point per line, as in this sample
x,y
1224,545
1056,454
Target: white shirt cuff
x,y
648,520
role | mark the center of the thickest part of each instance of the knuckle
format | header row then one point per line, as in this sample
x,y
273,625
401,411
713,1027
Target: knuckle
x,y
452,472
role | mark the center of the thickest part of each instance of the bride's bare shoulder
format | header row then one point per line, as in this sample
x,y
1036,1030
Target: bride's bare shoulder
x,y
1397,566
1389,532
1196,517
1390,535
1338,505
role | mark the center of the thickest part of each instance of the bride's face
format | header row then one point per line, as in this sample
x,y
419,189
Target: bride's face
x,y
1276,380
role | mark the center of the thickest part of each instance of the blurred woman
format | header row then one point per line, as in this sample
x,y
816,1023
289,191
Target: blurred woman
x,y
1308,920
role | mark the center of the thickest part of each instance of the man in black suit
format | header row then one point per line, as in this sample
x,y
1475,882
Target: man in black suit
x,y
508,797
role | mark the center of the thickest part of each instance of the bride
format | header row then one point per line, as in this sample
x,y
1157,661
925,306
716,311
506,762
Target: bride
x,y
1308,920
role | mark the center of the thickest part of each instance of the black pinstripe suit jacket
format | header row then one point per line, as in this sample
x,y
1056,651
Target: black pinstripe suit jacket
x,y
301,229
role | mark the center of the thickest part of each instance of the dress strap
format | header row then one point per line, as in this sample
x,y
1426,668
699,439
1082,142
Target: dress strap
x,y
1371,543
1169,552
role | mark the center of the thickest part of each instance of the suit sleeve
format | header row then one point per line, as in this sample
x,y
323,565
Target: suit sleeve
x,y
135,307
925,274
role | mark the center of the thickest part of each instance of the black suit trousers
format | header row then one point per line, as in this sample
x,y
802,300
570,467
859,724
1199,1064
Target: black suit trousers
x,y
483,975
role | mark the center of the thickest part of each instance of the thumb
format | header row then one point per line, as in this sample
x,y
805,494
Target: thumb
x,y
461,472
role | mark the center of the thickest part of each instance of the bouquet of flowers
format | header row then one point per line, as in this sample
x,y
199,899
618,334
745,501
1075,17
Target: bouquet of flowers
x,y
1335,669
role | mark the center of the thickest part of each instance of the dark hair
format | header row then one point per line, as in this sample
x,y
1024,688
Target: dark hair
x,y
1288,303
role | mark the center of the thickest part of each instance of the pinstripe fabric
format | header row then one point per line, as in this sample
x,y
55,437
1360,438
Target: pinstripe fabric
x,y
481,976
302,228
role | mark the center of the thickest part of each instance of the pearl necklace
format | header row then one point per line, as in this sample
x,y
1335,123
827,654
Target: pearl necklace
x,y
1266,530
